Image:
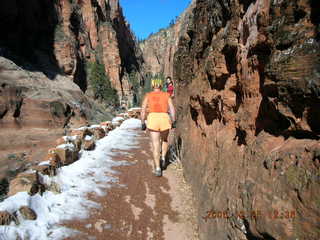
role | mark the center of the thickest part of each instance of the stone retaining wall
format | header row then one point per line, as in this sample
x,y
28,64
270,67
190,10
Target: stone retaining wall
x,y
64,153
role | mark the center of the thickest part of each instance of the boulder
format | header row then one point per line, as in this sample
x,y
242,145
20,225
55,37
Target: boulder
x,y
53,158
66,152
98,133
88,143
130,113
60,141
81,132
77,142
117,121
27,213
54,188
75,139
116,124
108,125
45,169
126,116
120,115
26,182
134,112
6,218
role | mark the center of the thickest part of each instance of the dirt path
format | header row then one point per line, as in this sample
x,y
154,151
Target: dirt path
x,y
140,205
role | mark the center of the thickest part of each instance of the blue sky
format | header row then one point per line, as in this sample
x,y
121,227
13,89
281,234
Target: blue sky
x,y
148,16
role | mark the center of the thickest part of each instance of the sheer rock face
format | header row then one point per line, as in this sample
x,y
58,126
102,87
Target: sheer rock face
x,y
61,36
248,97
34,111
158,49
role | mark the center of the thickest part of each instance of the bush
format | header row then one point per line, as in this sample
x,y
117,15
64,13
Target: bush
x,y
4,188
134,81
101,84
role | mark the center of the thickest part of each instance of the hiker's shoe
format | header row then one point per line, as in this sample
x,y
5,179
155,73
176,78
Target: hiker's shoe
x,y
163,164
158,172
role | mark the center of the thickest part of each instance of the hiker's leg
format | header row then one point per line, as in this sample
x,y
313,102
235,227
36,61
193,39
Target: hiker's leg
x,y
164,146
155,138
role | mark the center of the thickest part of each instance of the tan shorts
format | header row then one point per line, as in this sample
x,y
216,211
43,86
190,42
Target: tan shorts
x,y
158,121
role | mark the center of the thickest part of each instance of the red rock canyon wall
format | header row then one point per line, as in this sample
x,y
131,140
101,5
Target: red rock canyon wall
x,y
159,48
248,102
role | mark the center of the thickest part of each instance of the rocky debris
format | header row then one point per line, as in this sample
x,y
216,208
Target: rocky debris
x,y
45,169
66,139
117,120
81,132
116,124
98,132
121,115
88,143
54,188
6,218
99,225
107,125
76,141
27,213
134,113
53,159
66,152
126,116
26,182
60,141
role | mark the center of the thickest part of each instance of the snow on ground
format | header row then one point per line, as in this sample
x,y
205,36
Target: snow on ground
x,y
75,181
134,109
117,119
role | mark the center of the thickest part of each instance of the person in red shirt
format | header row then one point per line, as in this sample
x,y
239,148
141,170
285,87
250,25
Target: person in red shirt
x,y
159,103
170,87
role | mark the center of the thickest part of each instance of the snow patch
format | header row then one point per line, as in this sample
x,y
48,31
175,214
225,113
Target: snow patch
x,y
134,109
94,126
69,146
117,119
81,128
69,138
44,163
76,181
88,138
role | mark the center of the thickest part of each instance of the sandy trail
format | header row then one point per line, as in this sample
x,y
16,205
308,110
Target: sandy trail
x,y
140,205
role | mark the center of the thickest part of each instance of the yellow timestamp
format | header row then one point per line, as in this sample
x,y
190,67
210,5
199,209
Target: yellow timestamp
x,y
254,214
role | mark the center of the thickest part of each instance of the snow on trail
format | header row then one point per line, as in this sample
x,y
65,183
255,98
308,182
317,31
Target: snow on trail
x,y
76,180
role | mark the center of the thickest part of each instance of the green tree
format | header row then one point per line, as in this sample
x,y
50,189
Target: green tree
x,y
101,84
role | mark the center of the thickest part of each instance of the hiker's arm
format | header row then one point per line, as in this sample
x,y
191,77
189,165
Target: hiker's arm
x,y
144,107
172,110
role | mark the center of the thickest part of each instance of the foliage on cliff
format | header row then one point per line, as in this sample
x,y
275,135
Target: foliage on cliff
x,y
101,84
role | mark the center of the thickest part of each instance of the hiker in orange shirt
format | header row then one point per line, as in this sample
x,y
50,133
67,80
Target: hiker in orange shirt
x,y
158,122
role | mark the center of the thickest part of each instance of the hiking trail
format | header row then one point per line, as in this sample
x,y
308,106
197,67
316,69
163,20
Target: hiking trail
x,y
139,205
